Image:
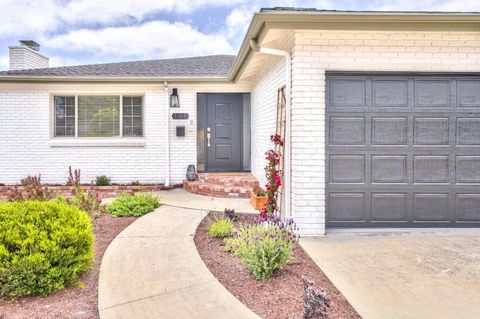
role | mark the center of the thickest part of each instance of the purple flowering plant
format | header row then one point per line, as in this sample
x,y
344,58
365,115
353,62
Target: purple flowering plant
x,y
264,246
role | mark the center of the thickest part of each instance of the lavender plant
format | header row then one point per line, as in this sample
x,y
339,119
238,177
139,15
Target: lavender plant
x,y
264,247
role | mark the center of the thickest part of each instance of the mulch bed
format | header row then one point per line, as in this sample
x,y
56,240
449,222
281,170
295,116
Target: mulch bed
x,y
71,302
279,297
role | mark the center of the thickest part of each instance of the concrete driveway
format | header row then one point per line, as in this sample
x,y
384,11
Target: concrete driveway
x,y
404,274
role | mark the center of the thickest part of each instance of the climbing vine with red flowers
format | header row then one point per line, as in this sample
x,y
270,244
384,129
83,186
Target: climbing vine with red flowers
x,y
274,179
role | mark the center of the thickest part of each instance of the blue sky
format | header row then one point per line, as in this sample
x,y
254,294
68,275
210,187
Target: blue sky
x,y
97,31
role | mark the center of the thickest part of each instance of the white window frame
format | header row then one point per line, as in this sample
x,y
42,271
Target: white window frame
x,y
100,140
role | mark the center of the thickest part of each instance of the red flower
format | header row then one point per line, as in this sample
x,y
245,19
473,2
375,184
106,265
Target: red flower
x,y
276,139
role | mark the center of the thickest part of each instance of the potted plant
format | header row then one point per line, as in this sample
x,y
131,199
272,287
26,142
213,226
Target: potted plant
x,y
258,198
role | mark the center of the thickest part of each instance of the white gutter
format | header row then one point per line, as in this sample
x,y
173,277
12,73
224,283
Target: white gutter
x,y
167,134
288,86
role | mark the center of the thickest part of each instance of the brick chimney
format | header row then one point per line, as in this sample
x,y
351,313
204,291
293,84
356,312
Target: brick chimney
x,y
27,56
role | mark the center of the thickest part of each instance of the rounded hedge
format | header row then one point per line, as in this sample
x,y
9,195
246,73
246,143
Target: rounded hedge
x,y
44,246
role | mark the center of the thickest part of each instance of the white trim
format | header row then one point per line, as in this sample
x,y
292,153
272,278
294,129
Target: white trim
x,y
167,133
97,142
76,115
120,129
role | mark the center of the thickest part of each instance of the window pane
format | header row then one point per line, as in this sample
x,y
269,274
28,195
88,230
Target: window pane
x,y
98,116
137,110
70,130
137,101
64,115
60,100
70,100
70,110
132,116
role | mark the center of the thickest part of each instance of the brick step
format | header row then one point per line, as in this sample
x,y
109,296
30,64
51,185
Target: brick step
x,y
246,180
214,190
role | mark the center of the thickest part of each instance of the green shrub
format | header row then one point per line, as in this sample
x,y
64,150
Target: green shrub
x,y
264,248
102,180
220,227
133,205
44,246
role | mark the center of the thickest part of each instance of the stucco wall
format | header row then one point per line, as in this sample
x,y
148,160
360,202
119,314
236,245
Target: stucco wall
x,y
318,51
27,148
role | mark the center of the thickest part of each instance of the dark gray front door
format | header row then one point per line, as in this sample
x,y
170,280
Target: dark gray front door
x,y
403,151
223,132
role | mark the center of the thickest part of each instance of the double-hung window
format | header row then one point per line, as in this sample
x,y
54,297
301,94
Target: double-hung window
x,y
98,116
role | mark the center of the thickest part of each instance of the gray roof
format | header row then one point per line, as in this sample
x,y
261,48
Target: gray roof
x,y
213,66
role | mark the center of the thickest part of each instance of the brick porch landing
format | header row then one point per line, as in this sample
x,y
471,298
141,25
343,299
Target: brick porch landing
x,y
222,184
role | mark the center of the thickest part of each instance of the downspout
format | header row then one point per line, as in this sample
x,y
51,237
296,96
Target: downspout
x,y
167,135
288,86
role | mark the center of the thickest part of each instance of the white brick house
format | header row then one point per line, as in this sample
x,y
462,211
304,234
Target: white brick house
x,y
347,74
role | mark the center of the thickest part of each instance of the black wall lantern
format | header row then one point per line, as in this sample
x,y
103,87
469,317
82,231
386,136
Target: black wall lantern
x,y
174,101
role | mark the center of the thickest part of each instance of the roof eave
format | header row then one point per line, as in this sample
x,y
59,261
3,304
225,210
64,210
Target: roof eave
x,y
265,20
26,78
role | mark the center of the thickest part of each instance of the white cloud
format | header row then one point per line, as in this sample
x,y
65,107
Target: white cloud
x,y
157,39
27,16
62,61
237,22
33,17
107,11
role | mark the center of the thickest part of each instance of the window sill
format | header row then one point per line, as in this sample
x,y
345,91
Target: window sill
x,y
97,142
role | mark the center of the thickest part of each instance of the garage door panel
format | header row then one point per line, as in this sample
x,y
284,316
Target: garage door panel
x,y
468,207
389,207
431,131
347,130
347,207
431,169
431,207
389,131
468,169
432,93
347,93
403,151
468,131
389,169
347,169
390,93
468,93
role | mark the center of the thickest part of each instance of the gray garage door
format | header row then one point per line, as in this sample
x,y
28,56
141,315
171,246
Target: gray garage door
x,y
403,150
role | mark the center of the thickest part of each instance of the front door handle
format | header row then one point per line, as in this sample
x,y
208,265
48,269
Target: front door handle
x,y
209,135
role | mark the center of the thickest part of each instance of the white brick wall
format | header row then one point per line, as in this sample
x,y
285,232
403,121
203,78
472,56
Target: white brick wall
x,y
317,51
264,112
24,58
268,80
26,127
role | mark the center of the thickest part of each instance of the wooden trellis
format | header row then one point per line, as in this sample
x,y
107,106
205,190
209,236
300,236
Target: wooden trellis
x,y
281,131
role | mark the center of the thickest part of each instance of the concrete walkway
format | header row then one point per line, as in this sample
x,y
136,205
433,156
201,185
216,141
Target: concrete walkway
x,y
153,270
434,274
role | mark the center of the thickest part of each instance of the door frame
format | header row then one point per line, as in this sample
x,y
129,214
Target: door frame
x,y
202,148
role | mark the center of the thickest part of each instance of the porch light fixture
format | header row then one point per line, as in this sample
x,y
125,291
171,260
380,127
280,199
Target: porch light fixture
x,y
174,101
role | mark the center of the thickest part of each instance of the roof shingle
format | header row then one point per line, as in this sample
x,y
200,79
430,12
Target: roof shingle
x,y
213,66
